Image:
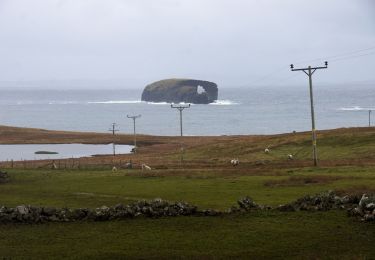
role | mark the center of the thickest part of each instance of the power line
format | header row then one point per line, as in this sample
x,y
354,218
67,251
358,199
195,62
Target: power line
x,y
332,58
353,57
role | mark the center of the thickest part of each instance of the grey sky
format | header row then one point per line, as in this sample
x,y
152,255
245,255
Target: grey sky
x,y
231,42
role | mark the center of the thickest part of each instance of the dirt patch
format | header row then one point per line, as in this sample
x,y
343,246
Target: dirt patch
x,y
356,190
303,181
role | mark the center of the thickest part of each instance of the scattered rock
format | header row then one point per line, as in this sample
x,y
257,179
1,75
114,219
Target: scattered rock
x,y
363,208
247,204
4,177
153,208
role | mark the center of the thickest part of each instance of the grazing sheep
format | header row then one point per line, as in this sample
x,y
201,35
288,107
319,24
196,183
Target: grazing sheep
x,y
146,167
129,165
290,156
234,162
266,150
114,169
54,166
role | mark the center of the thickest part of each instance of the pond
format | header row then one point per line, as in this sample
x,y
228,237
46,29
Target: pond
x,y
18,152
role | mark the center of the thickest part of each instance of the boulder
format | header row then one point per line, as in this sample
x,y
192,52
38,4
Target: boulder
x,y
181,90
247,203
4,177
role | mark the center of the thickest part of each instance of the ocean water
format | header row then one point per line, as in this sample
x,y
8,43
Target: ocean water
x,y
262,110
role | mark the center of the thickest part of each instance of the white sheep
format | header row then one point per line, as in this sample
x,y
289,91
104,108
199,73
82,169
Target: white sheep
x,y
290,156
114,169
235,162
266,150
146,167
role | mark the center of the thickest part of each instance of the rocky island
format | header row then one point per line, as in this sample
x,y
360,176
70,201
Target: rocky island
x,y
181,90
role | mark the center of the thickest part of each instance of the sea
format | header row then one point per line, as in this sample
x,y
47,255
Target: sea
x,y
238,111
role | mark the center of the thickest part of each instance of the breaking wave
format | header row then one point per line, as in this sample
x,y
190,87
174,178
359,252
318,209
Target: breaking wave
x,y
116,102
224,102
355,108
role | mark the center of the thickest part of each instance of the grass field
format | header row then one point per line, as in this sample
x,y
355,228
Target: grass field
x,y
268,235
207,180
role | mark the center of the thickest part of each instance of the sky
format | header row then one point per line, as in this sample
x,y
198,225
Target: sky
x,y
131,43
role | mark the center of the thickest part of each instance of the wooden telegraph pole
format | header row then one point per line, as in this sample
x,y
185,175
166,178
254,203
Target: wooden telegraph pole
x,y
134,132
309,71
114,130
181,108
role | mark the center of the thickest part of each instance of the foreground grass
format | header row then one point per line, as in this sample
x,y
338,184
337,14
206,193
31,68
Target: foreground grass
x,y
204,188
257,235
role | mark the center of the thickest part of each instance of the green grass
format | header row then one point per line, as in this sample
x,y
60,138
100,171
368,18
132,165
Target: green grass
x,y
78,188
331,146
258,235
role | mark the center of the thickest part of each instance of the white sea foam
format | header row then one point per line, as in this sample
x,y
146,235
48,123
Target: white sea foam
x,y
355,108
158,103
62,102
224,102
116,102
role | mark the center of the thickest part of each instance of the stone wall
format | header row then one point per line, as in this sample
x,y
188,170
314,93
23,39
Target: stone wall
x,y
362,207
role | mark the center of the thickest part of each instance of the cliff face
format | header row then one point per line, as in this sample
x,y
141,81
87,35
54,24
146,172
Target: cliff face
x,y
181,90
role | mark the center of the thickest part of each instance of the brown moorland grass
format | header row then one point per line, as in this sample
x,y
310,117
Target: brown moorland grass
x,y
337,147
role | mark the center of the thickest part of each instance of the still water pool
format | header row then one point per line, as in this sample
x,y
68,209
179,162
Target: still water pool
x,y
60,151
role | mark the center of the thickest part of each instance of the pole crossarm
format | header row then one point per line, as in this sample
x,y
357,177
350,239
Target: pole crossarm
x,y
310,68
180,107
134,117
113,129
309,71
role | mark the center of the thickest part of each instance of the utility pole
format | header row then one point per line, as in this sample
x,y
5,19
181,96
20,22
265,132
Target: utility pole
x,y
309,71
181,108
114,130
135,135
369,118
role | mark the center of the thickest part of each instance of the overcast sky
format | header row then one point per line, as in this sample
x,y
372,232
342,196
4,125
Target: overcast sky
x,y
230,42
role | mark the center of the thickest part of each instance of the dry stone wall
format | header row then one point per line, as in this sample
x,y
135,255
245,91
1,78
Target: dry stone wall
x,y
362,207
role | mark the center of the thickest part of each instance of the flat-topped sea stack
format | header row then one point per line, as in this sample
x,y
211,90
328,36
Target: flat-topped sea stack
x,y
181,90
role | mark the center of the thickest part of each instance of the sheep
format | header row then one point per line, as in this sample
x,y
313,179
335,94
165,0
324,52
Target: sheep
x,y
129,165
290,156
266,150
146,167
234,162
114,169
